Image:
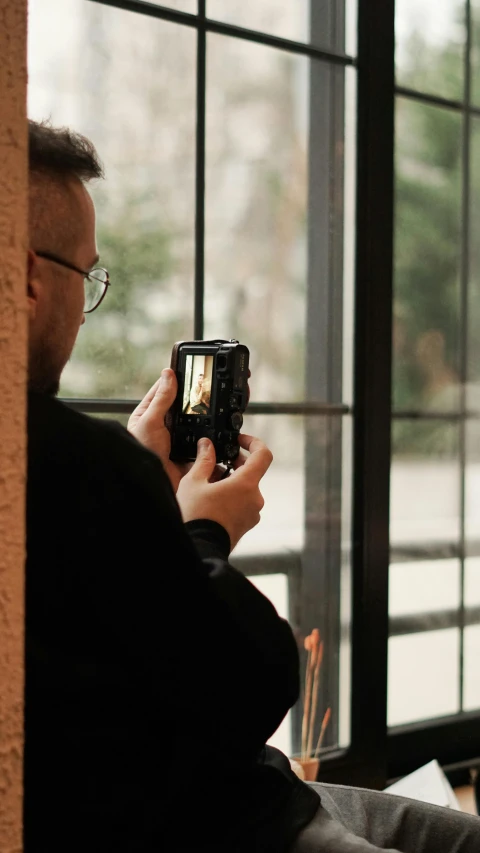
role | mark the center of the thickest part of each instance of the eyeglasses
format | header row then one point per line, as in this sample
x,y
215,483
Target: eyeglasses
x,y
97,281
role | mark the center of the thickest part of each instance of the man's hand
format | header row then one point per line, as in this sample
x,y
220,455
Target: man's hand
x,y
147,423
235,502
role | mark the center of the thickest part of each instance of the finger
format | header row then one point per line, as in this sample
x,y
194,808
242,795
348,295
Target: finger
x,y
251,444
151,394
260,457
206,461
242,456
144,404
240,460
164,393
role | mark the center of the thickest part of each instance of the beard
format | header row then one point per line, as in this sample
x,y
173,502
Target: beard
x,y
43,374
50,390
52,347
47,359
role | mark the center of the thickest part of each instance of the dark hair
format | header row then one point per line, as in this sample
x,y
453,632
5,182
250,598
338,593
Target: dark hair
x,y
61,153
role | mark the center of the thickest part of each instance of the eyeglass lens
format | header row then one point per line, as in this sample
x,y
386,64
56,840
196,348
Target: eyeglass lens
x,y
94,288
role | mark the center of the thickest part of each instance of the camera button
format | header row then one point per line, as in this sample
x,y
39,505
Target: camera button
x,y
236,420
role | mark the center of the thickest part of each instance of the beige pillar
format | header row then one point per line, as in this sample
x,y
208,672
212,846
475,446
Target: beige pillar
x,y
13,348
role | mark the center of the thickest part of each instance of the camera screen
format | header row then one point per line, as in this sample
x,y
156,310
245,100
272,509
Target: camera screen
x,y
198,385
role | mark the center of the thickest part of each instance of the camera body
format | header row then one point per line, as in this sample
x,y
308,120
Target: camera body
x,y
211,398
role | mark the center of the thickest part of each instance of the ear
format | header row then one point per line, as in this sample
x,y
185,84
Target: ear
x,y
34,284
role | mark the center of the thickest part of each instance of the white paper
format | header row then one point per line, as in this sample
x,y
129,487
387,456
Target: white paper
x,y
428,784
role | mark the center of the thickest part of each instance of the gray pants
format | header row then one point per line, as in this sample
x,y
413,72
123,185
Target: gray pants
x,y
355,820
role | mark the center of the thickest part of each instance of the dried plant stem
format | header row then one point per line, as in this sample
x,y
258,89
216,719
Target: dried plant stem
x,y
316,681
325,721
306,704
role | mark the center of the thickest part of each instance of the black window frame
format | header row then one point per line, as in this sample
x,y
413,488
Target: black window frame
x,y
375,754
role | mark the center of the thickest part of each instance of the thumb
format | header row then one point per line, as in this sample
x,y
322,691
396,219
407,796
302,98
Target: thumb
x,y
205,462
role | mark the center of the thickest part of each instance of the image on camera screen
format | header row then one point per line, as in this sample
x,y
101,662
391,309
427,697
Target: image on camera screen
x,y
198,385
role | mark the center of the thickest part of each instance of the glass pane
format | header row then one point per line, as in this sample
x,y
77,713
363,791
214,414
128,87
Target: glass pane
x,y
275,216
471,654
472,481
430,41
96,69
423,587
351,27
283,521
427,258
471,675
472,582
275,587
473,319
322,24
425,485
423,676
349,243
304,544
475,52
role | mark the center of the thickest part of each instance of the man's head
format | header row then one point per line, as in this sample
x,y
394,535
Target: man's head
x,y
61,223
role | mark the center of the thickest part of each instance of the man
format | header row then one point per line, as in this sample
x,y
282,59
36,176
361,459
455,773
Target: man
x,y
155,673
196,392
199,396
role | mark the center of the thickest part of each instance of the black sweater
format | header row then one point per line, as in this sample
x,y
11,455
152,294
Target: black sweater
x,y
155,672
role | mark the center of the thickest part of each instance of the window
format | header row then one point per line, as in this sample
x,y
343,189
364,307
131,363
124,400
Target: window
x,y
436,451
249,194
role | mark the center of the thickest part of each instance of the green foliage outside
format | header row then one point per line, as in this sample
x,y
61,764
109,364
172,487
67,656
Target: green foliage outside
x,y
428,322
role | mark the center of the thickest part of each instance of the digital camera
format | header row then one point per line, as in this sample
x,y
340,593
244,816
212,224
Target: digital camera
x,y
211,398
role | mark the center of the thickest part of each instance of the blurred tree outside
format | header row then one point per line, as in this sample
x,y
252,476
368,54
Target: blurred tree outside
x,y
256,209
124,330
427,306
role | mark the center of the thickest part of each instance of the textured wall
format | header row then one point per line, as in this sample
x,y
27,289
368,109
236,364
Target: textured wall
x,y
13,230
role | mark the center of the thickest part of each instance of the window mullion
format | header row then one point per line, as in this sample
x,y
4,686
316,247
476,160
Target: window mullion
x,y
198,317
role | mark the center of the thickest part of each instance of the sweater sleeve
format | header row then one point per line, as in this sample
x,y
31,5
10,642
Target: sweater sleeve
x,y
210,540
267,664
